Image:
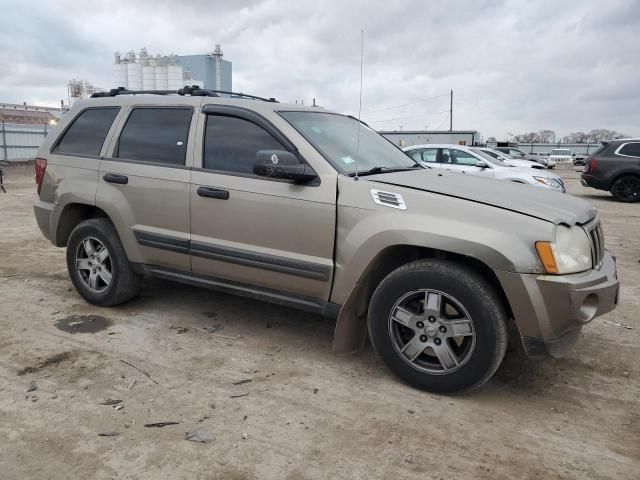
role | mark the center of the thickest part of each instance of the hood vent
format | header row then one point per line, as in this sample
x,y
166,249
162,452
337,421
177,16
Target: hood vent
x,y
388,199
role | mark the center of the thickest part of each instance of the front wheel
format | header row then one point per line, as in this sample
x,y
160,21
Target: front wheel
x,y
626,188
438,325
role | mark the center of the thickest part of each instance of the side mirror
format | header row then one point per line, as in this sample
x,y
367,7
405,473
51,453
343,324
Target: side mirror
x,y
282,164
482,164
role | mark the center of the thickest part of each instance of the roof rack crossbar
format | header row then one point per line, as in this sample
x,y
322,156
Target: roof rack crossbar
x,y
192,90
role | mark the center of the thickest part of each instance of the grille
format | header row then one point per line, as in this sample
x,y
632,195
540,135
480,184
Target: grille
x,y
389,199
596,236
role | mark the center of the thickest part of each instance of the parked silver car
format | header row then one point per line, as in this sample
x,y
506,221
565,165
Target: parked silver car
x,y
508,160
541,158
463,159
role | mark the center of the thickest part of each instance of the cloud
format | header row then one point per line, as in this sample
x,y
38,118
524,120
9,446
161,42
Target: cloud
x,y
514,66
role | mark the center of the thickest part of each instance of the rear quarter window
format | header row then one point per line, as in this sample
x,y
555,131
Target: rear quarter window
x,y
87,132
630,149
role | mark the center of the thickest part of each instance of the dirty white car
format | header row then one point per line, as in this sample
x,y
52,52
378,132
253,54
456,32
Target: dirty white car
x,y
463,159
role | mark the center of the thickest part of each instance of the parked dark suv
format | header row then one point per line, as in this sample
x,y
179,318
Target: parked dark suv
x,y
615,167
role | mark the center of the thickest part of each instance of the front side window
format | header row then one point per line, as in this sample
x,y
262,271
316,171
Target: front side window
x,y
87,133
156,135
347,144
631,149
231,144
459,157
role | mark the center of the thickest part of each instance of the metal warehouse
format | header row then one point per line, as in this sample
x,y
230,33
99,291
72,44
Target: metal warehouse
x,y
418,137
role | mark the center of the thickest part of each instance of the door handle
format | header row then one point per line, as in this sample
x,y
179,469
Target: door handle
x,y
113,178
213,193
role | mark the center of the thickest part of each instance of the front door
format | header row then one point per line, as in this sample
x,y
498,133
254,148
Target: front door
x,y
258,232
464,162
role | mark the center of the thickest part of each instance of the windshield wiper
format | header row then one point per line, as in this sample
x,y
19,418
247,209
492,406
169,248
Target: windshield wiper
x,y
378,169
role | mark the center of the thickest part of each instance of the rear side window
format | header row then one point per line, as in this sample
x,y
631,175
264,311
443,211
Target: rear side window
x,y
428,155
631,149
156,135
86,134
231,144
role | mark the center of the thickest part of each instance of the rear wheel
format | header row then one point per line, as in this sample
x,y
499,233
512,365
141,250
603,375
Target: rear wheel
x,y
626,188
438,325
98,265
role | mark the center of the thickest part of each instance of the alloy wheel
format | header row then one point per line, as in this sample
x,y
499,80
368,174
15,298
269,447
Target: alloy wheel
x,y
93,265
432,331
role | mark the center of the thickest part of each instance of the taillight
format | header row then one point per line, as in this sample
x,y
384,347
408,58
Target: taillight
x,y
591,165
41,166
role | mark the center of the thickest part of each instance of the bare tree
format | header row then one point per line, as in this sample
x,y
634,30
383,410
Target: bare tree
x,y
542,136
547,136
594,136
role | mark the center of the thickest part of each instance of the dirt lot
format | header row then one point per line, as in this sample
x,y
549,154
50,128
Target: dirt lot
x,y
304,413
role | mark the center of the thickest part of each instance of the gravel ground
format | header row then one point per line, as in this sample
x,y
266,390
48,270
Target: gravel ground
x,y
271,399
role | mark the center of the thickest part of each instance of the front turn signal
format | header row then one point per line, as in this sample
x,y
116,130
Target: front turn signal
x,y
548,259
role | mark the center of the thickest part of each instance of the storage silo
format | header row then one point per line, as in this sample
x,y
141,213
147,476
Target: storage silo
x,y
161,75
134,76
148,77
120,73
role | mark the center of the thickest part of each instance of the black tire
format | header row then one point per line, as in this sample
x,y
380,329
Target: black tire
x,y
626,188
125,283
477,297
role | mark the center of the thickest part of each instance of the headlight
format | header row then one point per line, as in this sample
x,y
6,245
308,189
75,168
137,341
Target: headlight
x,y
549,182
570,253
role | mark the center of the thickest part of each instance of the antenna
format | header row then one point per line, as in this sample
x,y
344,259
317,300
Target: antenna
x,y
360,106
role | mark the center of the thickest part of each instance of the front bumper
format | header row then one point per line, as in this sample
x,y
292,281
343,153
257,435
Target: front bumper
x,y
550,310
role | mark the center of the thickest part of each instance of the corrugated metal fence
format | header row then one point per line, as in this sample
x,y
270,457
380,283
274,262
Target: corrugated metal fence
x,y
21,142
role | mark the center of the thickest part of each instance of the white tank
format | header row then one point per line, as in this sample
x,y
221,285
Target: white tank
x,y
161,77
148,77
134,74
174,77
120,75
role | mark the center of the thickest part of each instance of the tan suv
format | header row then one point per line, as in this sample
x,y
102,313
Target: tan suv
x,y
315,210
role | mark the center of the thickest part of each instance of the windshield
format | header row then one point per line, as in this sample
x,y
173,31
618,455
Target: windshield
x,y
560,152
488,157
336,138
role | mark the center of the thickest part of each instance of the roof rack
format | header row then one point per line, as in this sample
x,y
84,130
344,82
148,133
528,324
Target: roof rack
x,y
193,90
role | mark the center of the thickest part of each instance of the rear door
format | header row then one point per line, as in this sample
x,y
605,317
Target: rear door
x,y
258,232
144,184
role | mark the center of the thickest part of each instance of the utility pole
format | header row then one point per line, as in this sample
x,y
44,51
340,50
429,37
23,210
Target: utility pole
x,y
451,113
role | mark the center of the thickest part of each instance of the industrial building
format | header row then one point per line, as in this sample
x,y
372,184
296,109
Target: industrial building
x,y
142,71
23,114
407,138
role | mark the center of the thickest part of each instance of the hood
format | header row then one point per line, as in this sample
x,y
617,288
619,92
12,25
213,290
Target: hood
x,y
536,202
524,164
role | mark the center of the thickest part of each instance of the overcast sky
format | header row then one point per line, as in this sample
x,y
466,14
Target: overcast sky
x,y
514,66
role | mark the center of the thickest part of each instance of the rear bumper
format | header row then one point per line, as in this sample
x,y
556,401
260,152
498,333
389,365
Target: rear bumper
x,y
44,213
593,182
550,310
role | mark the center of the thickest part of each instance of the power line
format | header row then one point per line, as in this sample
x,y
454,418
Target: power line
x,y
409,116
406,104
